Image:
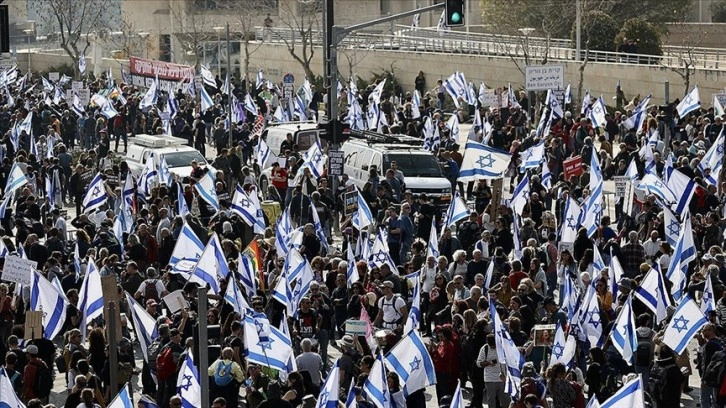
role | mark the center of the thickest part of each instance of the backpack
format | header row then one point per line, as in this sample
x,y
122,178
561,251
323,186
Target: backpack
x,y
125,372
611,381
657,380
43,380
223,374
713,374
150,291
165,365
154,351
643,352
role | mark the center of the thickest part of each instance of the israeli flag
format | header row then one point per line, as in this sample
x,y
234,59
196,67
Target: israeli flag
x,y
483,162
207,77
714,160
299,108
146,402
364,215
672,226
81,64
330,391
16,179
416,22
182,208
319,230
457,211
264,155
45,296
10,100
458,400
597,113
96,195
53,191
188,245
207,190
568,230
533,157
188,384
250,105
623,333
375,96
165,176
628,396
517,249
352,275
546,176
124,398
521,195
77,106
313,159
283,294
635,121
507,353
488,276
381,255
227,86
410,359
432,249
708,301
151,95
283,229
456,88
206,100
568,94
432,137
586,103
108,110
441,27
563,348
554,105
90,298
260,80
414,316
615,274
595,200
8,397
259,226
597,263
4,205
683,254
683,188
690,103
275,353
144,325
376,385
717,107
211,267
298,271
234,297
243,206
246,270
590,317
453,125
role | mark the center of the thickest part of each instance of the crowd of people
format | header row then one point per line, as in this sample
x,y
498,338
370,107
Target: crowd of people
x,y
466,279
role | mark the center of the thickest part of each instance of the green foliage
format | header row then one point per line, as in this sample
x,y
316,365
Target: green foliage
x,y
62,69
393,85
598,31
646,35
718,11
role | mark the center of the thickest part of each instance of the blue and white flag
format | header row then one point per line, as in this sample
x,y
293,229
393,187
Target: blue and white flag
x,y
546,176
615,274
568,94
4,205
181,204
512,98
671,226
45,296
330,391
299,108
259,80
250,105
188,245
520,197
207,190
165,176
206,100
314,160
623,335
124,398
453,125
244,206
654,185
630,395
590,318
456,88
96,195
81,64
635,121
8,397
77,106
690,103
517,247
207,77
563,348
247,272
441,26
212,266
283,294
376,385
714,160
410,359
147,402
364,214
283,229
554,105
483,162
319,232
263,155
594,202
151,95
457,211
432,137
352,274
53,190
683,254
144,325
188,384
568,232
275,353
381,255
16,179
533,157
586,103
234,297
687,320
457,401
683,188
597,113
652,292
414,316
90,297
488,276
433,244
598,264
708,301
507,353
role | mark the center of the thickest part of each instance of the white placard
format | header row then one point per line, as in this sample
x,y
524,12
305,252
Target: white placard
x,y
77,85
175,301
721,98
357,327
489,98
54,76
18,270
621,183
542,78
85,95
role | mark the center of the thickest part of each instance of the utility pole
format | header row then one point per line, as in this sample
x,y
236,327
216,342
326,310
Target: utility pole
x,y
203,345
578,29
112,349
229,97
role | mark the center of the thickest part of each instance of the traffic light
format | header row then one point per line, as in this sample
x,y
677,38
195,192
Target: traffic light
x,y
455,13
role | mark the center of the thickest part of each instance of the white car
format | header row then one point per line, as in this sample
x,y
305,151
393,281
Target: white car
x,y
177,154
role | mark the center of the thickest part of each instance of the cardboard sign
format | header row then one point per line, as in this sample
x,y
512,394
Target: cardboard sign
x,y
175,301
335,162
34,324
488,98
351,202
54,76
77,85
621,183
573,167
356,327
18,270
544,334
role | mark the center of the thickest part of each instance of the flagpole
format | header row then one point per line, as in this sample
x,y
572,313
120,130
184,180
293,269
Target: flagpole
x,y
203,345
229,89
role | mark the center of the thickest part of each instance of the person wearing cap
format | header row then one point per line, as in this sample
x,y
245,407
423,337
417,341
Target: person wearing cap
x,y
392,310
36,371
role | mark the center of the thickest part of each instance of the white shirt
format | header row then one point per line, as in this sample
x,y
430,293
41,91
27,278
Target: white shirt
x,y
60,224
428,277
159,286
651,247
392,309
492,372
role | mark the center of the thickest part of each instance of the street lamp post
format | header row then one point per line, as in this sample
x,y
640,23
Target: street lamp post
x,y
28,32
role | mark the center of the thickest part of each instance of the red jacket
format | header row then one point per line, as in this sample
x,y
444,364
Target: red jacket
x,y
29,376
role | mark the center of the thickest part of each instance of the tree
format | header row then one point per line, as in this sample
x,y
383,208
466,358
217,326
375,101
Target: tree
x,y
302,19
598,31
718,11
646,35
683,57
74,21
195,28
248,14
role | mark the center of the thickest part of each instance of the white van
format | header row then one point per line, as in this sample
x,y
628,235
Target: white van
x,y
177,154
304,134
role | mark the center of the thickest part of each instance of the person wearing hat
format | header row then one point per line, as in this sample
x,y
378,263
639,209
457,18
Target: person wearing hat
x,y
348,359
37,377
392,310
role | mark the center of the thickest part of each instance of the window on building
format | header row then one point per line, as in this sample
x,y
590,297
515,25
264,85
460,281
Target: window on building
x,y
165,47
